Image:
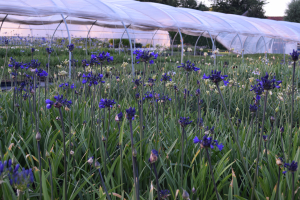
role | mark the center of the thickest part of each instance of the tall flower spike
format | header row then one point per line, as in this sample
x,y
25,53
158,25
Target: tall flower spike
x,y
184,121
153,156
189,66
294,55
130,113
71,47
268,84
208,142
216,77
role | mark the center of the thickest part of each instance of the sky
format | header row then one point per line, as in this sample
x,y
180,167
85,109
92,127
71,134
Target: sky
x,y
273,8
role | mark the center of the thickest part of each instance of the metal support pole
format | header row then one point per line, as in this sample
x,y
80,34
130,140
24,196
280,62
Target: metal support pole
x,y
153,37
173,42
70,54
3,21
55,32
121,39
88,36
181,60
197,43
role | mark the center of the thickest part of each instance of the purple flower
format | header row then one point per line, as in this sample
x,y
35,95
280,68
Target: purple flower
x,y
268,84
294,55
208,142
130,113
189,66
71,47
291,167
106,103
145,56
49,50
184,121
216,77
165,77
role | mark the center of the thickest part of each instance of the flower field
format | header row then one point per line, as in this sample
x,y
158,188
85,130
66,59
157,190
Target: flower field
x,y
195,130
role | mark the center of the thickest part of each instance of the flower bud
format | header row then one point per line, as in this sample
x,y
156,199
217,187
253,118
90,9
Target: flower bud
x,y
38,136
90,160
57,105
47,154
134,152
57,118
281,129
103,139
97,164
67,109
193,190
272,119
279,161
153,156
185,195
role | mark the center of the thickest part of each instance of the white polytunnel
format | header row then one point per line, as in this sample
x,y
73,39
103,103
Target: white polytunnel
x,y
144,22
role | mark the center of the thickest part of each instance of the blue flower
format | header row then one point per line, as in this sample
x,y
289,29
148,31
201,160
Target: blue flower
x,y
145,56
294,55
165,77
130,113
106,103
49,103
268,84
21,180
137,82
149,95
153,156
184,121
265,138
291,167
71,47
216,77
163,99
41,73
92,79
59,102
208,142
189,66
32,50
49,50
164,194
253,108
105,56
119,117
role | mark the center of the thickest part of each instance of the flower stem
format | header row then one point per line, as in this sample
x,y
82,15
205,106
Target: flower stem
x,y
293,186
65,155
50,169
121,159
235,138
277,188
134,163
182,153
40,169
259,144
103,185
293,91
157,183
186,92
212,174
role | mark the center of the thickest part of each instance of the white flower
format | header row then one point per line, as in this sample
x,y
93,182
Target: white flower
x,y
189,49
201,49
62,73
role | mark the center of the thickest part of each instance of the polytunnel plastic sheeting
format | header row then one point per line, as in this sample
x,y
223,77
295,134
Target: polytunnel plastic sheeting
x,y
150,17
81,31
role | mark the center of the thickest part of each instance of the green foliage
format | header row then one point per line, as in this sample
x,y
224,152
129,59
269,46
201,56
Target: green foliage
x,y
18,141
254,8
292,13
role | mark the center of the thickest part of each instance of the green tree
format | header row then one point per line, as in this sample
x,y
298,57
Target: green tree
x,y
250,8
292,13
181,3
